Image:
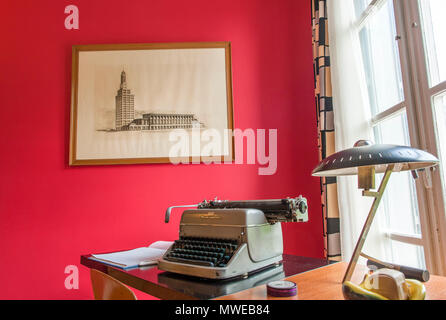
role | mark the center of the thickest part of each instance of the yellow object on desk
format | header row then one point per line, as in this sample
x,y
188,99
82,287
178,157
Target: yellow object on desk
x,y
385,284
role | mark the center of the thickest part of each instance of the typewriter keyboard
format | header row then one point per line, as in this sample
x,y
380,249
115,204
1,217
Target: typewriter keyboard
x,y
202,251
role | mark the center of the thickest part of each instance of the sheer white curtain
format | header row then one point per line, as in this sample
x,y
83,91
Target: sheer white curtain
x,y
352,123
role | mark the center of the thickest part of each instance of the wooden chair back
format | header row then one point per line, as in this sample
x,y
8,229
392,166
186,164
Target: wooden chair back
x,y
108,288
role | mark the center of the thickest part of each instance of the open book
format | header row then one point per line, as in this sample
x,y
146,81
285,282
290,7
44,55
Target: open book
x,y
136,257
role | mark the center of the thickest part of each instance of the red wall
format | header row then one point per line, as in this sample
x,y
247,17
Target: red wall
x,y
51,213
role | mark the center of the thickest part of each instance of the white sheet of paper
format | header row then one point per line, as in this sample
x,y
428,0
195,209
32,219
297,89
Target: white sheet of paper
x,y
132,258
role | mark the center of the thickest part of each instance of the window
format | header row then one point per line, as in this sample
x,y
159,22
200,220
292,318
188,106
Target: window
x,y
434,25
403,52
381,59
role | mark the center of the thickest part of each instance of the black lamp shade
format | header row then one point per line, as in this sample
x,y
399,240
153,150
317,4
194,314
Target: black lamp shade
x,y
346,162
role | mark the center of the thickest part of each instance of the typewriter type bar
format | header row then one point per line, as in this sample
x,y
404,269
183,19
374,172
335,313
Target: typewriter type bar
x,y
277,210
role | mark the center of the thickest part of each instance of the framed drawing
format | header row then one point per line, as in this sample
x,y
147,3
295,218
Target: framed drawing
x,y
151,103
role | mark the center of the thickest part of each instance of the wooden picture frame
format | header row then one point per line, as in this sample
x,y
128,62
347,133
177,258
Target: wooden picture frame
x,y
91,144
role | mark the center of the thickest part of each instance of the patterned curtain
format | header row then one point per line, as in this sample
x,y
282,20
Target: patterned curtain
x,y
325,122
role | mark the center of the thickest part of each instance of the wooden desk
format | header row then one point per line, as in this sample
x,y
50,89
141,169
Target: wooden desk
x,y
166,285
325,284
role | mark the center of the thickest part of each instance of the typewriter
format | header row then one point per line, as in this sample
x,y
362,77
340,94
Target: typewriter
x,y
226,239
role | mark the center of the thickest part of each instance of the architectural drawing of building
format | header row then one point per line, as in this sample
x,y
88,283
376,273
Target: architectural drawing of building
x,y
125,115
125,104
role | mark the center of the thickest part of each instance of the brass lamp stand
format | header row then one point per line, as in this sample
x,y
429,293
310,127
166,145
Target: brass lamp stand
x,y
368,223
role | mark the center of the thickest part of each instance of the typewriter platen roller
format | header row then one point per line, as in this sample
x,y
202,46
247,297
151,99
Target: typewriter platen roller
x,y
225,239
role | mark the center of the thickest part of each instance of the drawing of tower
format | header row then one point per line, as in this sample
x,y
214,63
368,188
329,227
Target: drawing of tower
x,y
125,104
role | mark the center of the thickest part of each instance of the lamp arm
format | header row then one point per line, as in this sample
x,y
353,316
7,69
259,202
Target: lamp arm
x,y
365,230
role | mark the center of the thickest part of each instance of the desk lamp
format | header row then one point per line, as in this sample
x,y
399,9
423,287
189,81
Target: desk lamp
x,y
366,159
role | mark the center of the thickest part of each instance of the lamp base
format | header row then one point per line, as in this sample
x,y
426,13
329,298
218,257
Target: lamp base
x,y
384,284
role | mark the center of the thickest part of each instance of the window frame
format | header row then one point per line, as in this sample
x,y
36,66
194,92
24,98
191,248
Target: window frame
x,y
431,190
416,94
